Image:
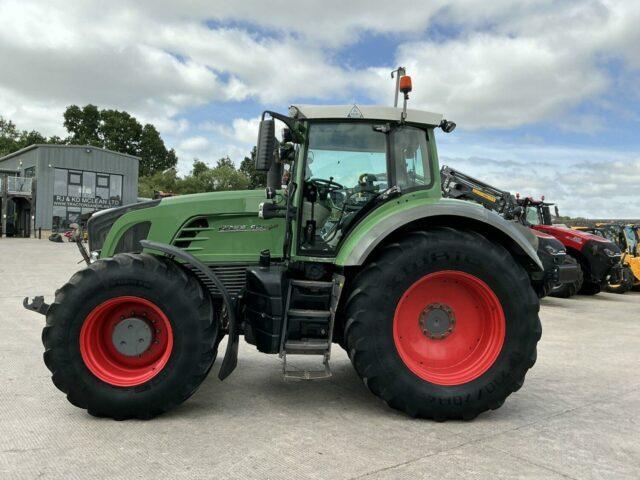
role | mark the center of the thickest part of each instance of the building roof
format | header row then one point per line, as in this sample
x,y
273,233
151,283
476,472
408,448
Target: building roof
x,y
53,145
374,112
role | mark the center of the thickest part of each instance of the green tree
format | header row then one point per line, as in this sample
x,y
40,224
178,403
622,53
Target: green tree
x,y
226,177
56,140
172,158
248,168
223,176
225,162
9,136
31,138
119,131
12,140
83,125
167,181
199,168
153,154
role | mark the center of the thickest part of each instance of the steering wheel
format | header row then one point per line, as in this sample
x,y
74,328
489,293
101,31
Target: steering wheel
x,y
326,184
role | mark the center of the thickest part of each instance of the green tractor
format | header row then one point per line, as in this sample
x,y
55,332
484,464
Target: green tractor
x,y
351,243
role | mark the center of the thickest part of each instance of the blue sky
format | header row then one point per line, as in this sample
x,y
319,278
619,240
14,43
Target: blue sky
x,y
545,93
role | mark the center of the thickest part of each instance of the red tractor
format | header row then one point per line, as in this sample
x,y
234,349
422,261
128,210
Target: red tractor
x,y
597,257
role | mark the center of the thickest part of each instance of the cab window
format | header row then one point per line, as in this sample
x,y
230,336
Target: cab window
x,y
411,158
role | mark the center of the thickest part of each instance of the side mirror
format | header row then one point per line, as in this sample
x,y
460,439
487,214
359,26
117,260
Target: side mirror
x,y
266,145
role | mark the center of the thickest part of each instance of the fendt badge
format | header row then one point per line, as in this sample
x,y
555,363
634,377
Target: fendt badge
x,y
245,228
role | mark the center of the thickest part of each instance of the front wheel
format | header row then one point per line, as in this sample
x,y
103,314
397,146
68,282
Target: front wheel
x,y
130,337
567,290
442,324
626,281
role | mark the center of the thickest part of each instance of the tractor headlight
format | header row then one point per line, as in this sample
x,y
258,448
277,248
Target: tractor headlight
x,y
610,253
552,251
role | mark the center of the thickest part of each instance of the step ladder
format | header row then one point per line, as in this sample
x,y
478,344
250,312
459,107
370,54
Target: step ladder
x,y
310,346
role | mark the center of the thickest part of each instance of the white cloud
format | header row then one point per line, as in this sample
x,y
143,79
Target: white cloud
x,y
588,182
194,144
499,64
157,59
243,131
536,62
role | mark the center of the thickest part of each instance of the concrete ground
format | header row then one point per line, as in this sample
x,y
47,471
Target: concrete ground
x,y
577,416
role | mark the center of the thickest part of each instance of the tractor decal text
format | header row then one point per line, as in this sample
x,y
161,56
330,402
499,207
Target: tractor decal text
x,y
245,228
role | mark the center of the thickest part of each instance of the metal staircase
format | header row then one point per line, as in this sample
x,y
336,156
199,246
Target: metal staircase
x,y
310,291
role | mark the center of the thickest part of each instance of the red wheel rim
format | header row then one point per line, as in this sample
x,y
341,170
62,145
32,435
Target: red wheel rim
x,y
102,356
469,308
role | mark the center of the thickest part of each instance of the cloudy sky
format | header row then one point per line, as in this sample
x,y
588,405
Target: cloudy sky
x,y
546,94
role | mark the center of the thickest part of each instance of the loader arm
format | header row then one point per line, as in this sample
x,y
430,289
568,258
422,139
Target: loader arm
x,y
456,184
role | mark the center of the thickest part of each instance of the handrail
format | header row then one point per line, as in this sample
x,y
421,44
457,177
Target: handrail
x,y
17,185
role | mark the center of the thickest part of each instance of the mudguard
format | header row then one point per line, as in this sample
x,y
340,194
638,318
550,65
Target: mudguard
x,y
363,243
230,359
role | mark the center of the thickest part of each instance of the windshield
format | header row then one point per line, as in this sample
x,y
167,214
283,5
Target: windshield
x,y
531,215
632,240
342,152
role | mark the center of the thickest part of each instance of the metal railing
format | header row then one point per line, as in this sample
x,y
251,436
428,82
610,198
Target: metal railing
x,y
19,185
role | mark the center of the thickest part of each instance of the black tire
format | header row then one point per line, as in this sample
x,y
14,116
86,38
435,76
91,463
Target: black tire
x,y
626,283
590,288
179,296
567,290
376,291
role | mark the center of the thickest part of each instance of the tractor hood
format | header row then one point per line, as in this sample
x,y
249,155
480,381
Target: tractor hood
x,y
213,226
554,229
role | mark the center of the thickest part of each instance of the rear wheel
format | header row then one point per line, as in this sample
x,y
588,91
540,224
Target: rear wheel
x,y
567,290
130,337
442,324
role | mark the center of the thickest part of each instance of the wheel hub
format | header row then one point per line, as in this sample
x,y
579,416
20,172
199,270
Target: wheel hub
x,y
132,336
437,321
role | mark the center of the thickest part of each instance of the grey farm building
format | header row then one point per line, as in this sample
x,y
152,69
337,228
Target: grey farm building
x,y
48,186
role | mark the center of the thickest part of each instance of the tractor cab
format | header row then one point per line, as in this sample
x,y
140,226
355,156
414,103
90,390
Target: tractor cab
x,y
338,163
536,212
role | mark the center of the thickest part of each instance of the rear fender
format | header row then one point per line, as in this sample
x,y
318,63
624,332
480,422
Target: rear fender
x,y
364,239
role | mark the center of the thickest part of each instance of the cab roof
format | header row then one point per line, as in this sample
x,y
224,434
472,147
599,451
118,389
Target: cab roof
x,y
367,112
